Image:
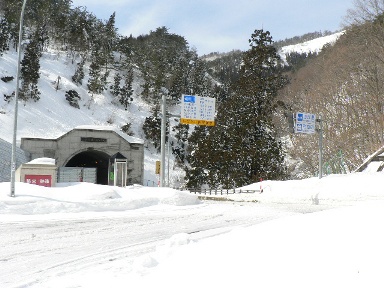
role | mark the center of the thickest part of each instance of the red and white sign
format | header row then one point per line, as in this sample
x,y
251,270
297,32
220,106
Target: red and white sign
x,y
41,180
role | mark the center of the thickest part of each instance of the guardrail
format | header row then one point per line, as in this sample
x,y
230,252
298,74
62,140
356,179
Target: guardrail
x,y
222,191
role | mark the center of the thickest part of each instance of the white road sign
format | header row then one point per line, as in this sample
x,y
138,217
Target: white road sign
x,y
305,123
197,110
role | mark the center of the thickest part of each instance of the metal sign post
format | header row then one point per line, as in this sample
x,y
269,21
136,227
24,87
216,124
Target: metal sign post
x,y
163,132
305,123
320,130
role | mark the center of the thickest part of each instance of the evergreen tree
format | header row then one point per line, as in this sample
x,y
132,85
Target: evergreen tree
x,y
126,91
109,40
30,66
79,73
73,98
243,148
4,35
95,81
115,88
195,170
152,128
179,147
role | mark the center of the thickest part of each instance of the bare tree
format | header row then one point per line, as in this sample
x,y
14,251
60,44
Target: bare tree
x,y
345,85
364,11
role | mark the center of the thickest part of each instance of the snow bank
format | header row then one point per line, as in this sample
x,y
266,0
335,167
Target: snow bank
x,y
86,197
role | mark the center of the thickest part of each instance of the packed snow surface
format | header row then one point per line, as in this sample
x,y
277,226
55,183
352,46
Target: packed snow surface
x,y
302,233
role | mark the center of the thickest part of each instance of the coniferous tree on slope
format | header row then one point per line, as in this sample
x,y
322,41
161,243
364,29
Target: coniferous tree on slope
x,y
79,72
30,66
260,153
242,148
126,92
4,35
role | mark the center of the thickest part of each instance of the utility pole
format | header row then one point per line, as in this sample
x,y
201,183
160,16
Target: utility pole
x,y
13,160
320,130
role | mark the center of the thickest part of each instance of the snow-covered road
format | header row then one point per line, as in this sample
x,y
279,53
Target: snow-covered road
x,y
41,247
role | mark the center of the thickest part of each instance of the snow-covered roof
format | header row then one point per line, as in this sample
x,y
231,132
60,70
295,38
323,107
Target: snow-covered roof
x,y
128,138
43,161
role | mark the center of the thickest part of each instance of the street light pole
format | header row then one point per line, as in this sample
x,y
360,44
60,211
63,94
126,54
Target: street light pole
x,y
13,161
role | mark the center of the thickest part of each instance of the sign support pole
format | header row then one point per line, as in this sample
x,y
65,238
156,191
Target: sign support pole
x,y
163,132
320,147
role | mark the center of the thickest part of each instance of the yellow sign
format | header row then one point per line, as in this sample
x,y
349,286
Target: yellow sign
x,y
157,167
197,122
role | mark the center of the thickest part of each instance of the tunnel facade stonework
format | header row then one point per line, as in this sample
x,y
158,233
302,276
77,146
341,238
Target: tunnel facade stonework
x,y
95,140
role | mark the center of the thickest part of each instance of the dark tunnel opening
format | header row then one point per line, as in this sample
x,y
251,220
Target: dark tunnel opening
x,y
92,159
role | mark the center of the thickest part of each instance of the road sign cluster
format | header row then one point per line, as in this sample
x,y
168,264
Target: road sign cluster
x,y
305,123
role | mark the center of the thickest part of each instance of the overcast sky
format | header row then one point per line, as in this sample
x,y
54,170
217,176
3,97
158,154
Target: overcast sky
x,y
221,25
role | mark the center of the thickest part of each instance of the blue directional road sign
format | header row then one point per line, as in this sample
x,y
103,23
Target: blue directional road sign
x,y
305,123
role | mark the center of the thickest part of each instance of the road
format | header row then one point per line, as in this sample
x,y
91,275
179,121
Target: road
x,y
36,248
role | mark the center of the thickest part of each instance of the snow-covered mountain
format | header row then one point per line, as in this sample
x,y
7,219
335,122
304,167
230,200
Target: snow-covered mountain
x,y
312,46
52,115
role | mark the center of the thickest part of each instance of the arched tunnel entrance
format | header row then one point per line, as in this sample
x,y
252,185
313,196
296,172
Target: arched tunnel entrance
x,y
92,159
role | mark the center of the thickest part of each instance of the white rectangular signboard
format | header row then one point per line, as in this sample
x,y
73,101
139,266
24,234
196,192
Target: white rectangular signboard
x,y
305,123
197,110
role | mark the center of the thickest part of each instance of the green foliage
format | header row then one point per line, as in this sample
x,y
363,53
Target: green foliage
x,y
4,35
73,98
152,128
225,68
297,60
115,88
179,146
30,66
242,147
95,81
79,73
126,91
164,60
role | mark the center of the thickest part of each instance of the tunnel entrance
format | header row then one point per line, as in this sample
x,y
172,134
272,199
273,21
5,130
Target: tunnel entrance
x,y
92,159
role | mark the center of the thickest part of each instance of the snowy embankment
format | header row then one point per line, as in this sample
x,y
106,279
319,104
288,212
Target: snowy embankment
x,y
87,197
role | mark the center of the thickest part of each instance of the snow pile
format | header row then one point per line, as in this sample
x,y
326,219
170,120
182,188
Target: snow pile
x,y
360,186
86,197
43,161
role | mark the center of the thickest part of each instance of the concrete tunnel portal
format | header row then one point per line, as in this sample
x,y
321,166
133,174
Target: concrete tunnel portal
x,y
92,159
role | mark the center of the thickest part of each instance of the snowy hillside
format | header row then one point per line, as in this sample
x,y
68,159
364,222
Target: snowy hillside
x,y
313,46
52,115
